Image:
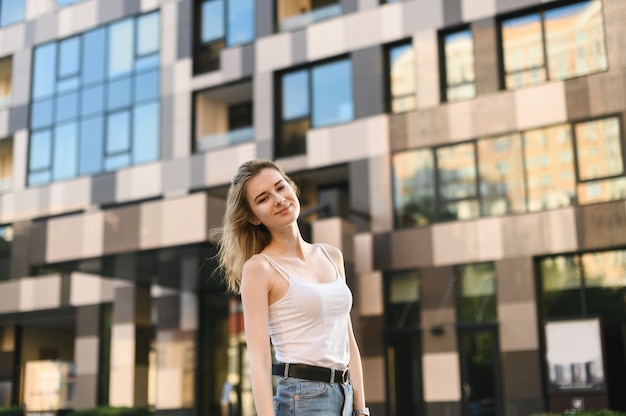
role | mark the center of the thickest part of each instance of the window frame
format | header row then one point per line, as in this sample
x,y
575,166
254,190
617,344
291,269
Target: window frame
x,y
389,97
443,71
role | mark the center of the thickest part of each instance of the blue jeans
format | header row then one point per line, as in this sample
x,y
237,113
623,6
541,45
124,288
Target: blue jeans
x,y
299,397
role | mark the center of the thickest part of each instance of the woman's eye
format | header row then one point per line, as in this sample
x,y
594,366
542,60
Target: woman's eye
x,y
281,187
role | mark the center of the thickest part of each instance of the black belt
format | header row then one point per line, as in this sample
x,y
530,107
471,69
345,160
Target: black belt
x,y
311,372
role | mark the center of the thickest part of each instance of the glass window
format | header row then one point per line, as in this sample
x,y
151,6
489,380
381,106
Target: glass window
x,y
401,64
546,185
413,187
5,81
476,293
598,149
6,164
501,175
295,97
460,75
293,15
240,22
403,300
212,20
332,93
66,2
574,44
456,175
11,11
86,93
6,240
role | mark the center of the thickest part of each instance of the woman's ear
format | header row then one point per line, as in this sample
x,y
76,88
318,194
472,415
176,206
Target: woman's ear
x,y
254,221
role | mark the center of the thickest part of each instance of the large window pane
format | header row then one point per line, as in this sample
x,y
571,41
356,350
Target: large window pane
x,y
402,78
147,86
575,40
91,145
460,73
456,172
414,187
561,279
295,97
146,133
598,149
331,86
148,34
66,107
11,11
40,150
121,54
549,162
118,133
69,52
44,74
240,22
92,100
501,172
41,113
6,77
523,51
604,190
94,53
119,94
65,159
212,20
476,293
403,300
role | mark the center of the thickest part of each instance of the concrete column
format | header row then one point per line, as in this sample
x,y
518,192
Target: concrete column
x,y
87,354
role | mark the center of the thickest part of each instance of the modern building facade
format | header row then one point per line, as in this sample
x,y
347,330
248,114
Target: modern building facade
x,y
467,156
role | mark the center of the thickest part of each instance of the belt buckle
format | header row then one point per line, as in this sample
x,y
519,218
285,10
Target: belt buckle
x,y
345,376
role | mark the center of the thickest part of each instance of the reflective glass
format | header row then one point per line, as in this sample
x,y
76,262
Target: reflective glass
x,y
68,84
39,178
147,62
604,190
456,169
331,91
550,179
402,78
44,75
413,187
240,22
65,151
460,73
501,175
69,54
212,20
66,107
561,279
295,95
66,2
476,293
92,100
94,56
146,133
147,86
11,11
524,62
41,113
148,34
118,132
91,145
112,163
119,94
403,300
575,42
598,149
605,269
40,150
121,55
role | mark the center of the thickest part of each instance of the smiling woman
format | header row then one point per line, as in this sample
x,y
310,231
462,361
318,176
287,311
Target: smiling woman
x,y
294,291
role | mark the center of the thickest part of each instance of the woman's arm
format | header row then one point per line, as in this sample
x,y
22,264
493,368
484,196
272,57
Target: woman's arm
x,y
255,287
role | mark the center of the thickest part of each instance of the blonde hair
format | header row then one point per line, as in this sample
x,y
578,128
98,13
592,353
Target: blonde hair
x,y
240,239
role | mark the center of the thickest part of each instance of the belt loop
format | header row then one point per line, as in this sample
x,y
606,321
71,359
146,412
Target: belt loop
x,y
286,373
332,375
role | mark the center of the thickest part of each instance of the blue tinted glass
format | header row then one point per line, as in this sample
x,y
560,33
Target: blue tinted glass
x,y
148,34
44,75
91,145
94,55
41,113
69,62
12,11
146,133
39,178
240,22
295,95
118,132
68,84
118,94
65,151
332,93
147,62
67,107
40,150
66,2
212,20
116,162
121,54
147,86
92,100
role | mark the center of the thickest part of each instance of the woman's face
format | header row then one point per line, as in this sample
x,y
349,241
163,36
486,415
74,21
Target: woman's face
x,y
272,200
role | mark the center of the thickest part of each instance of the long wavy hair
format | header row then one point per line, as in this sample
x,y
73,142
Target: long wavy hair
x,y
239,239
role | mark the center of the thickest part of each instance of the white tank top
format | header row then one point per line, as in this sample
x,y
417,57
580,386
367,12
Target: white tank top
x,y
309,325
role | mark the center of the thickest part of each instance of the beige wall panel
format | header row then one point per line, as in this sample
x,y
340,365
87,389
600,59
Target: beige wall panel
x,y
139,182
181,146
577,94
188,312
20,151
88,289
150,215
231,63
431,127
363,253
381,206
374,384
614,12
12,38
93,234
273,52
525,235
183,220
494,114
121,229
40,293
122,346
426,68
446,318
518,326
70,195
147,5
7,208
371,294
460,121
262,106
562,227
390,22
606,92
169,397
325,39
64,238
477,9
86,353
515,280
222,164
121,386
169,32
441,375
28,203
454,243
10,296
77,18
540,106
489,239
411,248
362,29
329,231
602,225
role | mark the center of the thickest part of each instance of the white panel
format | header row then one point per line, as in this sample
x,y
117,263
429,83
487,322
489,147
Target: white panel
x,y
325,39
64,238
122,386
391,22
224,163
169,32
427,68
381,205
122,345
563,233
169,390
188,312
77,18
183,220
363,29
477,9
540,106
454,243
518,326
489,239
93,234
138,182
20,159
363,253
273,52
85,289
70,195
441,377
12,38
182,125
371,294
460,121
86,355
263,106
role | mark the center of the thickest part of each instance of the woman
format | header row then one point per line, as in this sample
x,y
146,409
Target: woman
x,y
295,292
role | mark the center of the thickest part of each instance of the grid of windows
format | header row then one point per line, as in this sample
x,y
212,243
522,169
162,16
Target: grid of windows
x,y
533,170
312,97
95,101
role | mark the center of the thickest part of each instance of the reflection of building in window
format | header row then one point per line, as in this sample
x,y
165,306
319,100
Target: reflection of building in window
x,y
5,81
296,14
460,73
6,164
402,78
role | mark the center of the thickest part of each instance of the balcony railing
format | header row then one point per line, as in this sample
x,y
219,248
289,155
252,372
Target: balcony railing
x,y
305,19
229,138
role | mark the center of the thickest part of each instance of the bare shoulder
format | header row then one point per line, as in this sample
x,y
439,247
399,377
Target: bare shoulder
x,y
333,252
256,272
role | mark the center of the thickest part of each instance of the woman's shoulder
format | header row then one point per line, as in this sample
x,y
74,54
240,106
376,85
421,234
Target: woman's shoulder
x,y
256,269
332,251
